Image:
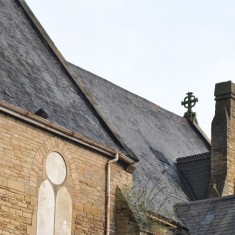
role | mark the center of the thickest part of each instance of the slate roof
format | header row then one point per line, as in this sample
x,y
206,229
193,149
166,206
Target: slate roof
x,y
210,217
156,136
195,171
33,78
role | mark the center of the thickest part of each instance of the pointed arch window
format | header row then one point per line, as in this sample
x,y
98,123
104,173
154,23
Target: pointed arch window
x,y
54,214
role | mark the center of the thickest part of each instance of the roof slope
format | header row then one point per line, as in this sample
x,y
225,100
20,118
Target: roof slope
x,y
210,217
157,137
33,78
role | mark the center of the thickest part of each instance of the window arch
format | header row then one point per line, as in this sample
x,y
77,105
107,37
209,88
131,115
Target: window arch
x,y
54,214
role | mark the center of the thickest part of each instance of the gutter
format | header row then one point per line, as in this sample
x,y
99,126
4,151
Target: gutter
x,y
171,225
61,131
175,226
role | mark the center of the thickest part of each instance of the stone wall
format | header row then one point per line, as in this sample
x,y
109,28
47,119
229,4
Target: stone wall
x,y
23,151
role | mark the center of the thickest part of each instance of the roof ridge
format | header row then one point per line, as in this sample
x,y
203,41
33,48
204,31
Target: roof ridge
x,y
127,91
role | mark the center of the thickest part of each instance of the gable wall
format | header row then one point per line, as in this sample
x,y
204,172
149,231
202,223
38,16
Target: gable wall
x,y
23,150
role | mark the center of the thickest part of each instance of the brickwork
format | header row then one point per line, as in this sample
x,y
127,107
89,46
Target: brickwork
x,y
223,142
23,150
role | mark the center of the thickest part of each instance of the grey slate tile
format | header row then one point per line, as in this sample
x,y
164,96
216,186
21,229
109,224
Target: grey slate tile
x,y
208,217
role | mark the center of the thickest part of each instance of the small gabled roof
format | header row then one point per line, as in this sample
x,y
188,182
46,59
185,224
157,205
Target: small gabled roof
x,y
195,172
211,216
34,77
156,136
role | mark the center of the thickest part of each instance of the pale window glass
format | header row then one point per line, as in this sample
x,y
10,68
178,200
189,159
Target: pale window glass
x,y
63,213
55,168
46,209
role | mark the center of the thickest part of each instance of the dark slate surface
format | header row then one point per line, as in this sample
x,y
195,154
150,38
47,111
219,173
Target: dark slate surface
x,y
157,137
209,217
196,173
32,78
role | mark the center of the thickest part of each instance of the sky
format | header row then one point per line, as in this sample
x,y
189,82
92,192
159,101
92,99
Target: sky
x,y
157,49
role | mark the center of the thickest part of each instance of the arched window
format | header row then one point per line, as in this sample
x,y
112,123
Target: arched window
x,y
54,214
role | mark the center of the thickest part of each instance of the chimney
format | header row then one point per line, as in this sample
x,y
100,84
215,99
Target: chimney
x,y
223,142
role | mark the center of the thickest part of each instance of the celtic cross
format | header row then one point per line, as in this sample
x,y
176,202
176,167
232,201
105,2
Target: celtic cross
x,y
189,101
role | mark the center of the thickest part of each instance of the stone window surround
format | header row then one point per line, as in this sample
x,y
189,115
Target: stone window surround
x,y
54,182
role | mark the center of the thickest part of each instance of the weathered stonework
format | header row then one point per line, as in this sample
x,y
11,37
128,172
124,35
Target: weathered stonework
x,y
223,142
23,150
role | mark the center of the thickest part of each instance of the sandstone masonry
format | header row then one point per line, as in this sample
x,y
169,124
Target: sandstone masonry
x,y
23,150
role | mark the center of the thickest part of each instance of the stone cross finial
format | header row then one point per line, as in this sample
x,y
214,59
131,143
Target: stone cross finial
x,y
189,102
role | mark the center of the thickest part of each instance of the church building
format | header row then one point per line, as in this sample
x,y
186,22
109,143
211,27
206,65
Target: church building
x,y
82,156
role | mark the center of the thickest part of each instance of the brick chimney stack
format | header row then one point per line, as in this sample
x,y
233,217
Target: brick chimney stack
x,y
223,142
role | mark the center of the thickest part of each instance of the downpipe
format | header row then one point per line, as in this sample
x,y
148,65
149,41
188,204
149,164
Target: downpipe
x,y
108,192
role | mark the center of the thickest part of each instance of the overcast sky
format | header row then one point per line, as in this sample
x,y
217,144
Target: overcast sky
x,y
158,49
